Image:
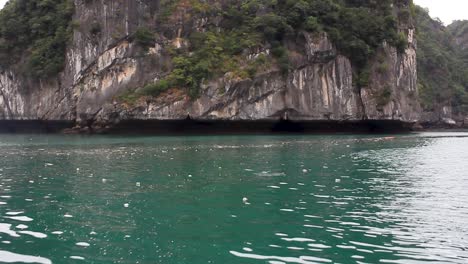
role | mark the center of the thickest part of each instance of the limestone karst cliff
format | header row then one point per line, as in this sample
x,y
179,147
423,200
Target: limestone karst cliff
x,y
119,48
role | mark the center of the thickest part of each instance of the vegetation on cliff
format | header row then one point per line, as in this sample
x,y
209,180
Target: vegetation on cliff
x,y
357,27
442,65
35,33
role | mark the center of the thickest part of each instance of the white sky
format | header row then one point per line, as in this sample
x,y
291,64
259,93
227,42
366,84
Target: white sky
x,y
446,10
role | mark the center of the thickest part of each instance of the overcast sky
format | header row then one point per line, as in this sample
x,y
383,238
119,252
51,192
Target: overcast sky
x,y
446,10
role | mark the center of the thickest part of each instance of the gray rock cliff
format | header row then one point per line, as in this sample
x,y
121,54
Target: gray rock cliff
x,y
99,68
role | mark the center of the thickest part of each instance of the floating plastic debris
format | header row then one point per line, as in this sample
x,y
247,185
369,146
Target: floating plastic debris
x,y
304,171
126,205
138,184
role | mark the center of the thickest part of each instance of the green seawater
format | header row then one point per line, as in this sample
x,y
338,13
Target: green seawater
x,y
310,199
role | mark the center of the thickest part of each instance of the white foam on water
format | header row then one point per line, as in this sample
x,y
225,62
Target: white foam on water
x,y
82,244
247,249
6,242
281,234
57,233
274,187
5,196
287,210
21,226
68,215
3,203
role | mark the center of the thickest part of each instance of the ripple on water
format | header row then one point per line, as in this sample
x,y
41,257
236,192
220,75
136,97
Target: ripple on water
x,y
82,244
21,218
6,229
11,257
300,260
34,234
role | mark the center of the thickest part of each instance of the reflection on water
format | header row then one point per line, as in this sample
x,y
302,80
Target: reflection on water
x,y
310,199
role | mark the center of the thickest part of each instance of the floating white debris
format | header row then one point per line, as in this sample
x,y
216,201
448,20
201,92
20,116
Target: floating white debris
x,y
77,169
31,181
247,249
338,180
21,226
82,244
68,216
304,171
49,164
245,200
126,205
92,233
104,180
57,233
138,184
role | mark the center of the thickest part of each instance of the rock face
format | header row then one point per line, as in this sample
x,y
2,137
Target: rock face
x,y
100,66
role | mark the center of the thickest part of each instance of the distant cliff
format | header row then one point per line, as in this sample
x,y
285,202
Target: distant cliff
x,y
442,69
100,62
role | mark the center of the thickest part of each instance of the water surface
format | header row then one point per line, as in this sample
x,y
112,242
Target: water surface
x,y
311,199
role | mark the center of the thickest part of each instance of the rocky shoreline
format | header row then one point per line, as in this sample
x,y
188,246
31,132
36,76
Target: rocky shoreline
x,y
219,127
